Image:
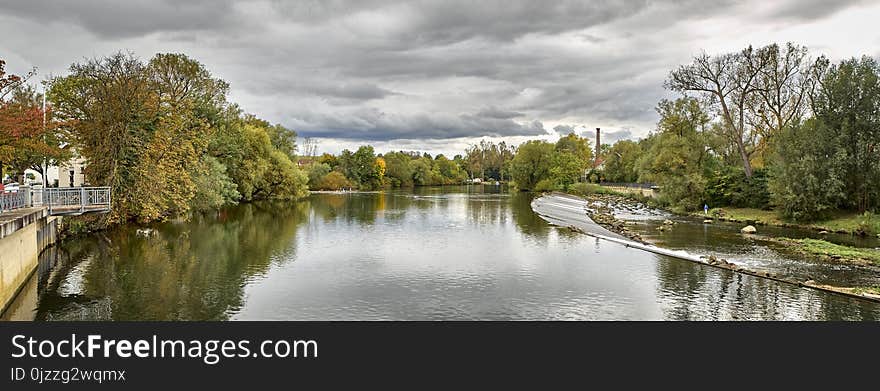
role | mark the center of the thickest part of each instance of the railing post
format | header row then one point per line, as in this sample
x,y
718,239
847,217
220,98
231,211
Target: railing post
x,y
28,196
82,199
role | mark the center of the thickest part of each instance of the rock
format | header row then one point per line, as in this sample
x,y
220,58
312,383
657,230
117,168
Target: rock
x,y
823,232
707,221
145,232
809,282
749,229
668,222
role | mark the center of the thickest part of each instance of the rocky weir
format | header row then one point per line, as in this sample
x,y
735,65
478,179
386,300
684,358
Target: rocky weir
x,y
637,225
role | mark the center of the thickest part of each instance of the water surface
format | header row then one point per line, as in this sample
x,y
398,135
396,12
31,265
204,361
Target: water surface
x,y
451,253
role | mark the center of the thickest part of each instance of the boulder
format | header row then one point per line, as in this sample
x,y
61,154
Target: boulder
x,y
749,229
823,232
707,221
668,222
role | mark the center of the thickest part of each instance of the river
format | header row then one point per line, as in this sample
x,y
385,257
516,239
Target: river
x,y
433,253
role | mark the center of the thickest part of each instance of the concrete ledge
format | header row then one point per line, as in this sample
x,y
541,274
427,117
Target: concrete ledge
x,y
12,221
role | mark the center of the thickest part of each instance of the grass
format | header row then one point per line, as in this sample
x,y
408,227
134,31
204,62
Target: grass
x,y
823,248
746,214
850,222
874,290
583,189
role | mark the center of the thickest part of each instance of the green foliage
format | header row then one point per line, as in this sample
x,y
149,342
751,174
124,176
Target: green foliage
x,y
332,181
488,160
676,156
849,105
398,169
214,188
729,186
421,171
567,168
575,145
362,168
449,171
545,185
316,172
163,136
621,164
808,174
531,164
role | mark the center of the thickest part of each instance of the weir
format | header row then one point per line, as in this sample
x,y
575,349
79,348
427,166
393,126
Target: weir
x,y
570,211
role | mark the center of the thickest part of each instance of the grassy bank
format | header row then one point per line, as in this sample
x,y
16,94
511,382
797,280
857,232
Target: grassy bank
x,y
835,252
842,222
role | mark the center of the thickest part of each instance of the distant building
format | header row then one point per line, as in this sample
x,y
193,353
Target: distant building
x,y
68,174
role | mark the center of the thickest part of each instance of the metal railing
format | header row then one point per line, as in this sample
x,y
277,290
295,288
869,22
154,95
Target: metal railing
x,y
13,200
61,200
72,198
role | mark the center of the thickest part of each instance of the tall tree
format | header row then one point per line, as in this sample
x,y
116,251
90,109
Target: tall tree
x,y
848,101
531,164
729,83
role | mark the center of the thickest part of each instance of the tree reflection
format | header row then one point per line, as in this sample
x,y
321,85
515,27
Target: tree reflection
x,y
195,270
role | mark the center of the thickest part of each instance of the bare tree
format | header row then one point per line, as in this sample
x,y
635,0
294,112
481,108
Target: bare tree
x,y
310,147
783,87
728,82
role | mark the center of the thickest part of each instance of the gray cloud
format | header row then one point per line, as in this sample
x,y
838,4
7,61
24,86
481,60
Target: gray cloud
x,y
805,10
612,136
389,71
372,124
120,19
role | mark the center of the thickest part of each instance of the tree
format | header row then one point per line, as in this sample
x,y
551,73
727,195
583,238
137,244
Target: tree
x,y
362,168
163,136
729,83
29,137
676,156
830,161
566,168
782,87
531,164
621,162
316,173
808,176
576,145
111,109
399,171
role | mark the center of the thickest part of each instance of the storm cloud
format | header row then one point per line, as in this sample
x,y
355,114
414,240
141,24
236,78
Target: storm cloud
x,y
434,75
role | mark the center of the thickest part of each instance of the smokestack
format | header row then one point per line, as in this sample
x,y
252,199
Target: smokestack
x,y
598,144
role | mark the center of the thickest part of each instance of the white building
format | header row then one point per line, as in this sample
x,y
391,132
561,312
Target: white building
x,y
69,174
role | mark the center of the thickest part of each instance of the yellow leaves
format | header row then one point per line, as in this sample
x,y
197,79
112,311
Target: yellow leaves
x,y
381,167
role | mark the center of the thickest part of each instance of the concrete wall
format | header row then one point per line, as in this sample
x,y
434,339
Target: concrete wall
x,y
23,237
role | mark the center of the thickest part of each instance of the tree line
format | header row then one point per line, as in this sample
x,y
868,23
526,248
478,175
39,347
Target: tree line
x,y
535,165
764,128
161,133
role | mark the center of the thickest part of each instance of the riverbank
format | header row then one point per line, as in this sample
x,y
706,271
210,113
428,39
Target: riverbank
x,y
603,207
843,222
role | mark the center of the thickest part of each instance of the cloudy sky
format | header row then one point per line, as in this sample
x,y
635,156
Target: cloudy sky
x,y
434,75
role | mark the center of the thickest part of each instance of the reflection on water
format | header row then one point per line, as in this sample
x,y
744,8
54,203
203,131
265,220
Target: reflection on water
x,y
431,253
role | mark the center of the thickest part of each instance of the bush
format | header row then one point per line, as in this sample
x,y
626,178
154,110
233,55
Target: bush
x,y
333,181
729,186
545,185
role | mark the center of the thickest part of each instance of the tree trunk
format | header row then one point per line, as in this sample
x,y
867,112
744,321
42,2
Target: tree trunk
x,y
747,166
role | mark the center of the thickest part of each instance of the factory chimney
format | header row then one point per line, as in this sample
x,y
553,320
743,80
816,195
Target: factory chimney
x,y
598,145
